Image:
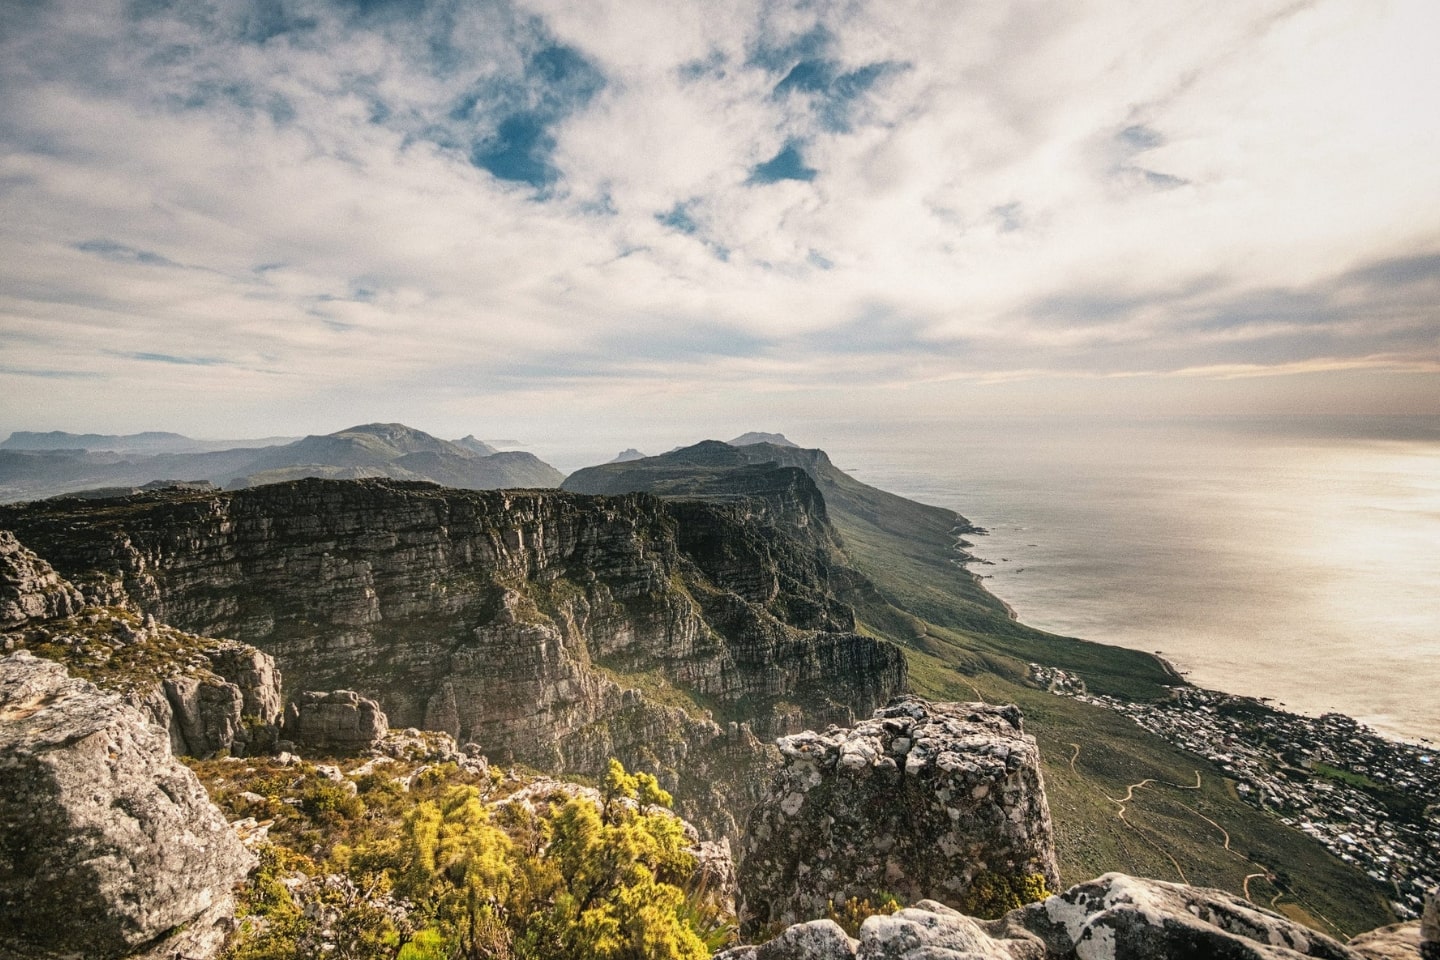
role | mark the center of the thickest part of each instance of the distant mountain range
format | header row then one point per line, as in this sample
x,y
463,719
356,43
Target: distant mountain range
x,y
37,465
151,442
752,438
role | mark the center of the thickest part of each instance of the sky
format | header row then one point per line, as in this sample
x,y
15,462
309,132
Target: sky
x,y
540,218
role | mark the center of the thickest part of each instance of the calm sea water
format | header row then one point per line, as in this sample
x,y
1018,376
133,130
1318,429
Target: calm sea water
x,y
1295,559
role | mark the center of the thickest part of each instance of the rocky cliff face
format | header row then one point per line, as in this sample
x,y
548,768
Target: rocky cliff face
x,y
108,846
30,589
210,695
551,628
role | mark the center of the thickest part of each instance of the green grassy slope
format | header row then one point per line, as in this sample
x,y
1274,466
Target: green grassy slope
x,y
962,644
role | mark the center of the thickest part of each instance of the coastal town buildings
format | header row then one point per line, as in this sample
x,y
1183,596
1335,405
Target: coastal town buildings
x,y
1371,801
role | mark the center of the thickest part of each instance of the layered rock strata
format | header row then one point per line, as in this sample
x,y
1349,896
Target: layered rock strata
x,y
1114,917
30,589
554,629
211,695
108,847
925,800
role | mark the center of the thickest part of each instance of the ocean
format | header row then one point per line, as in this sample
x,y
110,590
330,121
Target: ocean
x,y
1296,559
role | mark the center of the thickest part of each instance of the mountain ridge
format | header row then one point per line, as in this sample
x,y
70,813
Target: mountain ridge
x,y
366,450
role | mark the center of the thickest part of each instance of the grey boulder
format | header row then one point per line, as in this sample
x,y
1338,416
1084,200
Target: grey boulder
x,y
109,847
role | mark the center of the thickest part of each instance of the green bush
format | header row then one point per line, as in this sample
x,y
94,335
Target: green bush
x,y
330,802
992,895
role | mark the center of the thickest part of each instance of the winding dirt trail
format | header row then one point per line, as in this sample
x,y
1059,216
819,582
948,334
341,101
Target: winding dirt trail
x,y
1120,815
1265,872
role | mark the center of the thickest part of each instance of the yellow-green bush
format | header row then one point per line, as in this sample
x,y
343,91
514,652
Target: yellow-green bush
x,y
855,911
577,880
992,895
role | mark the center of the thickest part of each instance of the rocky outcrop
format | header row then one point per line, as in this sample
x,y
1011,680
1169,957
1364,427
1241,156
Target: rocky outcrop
x,y
210,695
338,722
108,847
926,800
1398,941
554,629
1126,917
1115,917
1430,927
29,588
225,698
254,674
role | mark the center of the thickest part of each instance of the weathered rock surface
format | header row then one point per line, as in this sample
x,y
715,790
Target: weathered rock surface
x,y
1114,917
107,844
210,695
1430,927
340,721
923,801
523,621
1399,941
227,700
254,674
812,940
1126,917
30,589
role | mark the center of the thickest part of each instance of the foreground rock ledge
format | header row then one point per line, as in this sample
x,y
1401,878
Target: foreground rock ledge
x,y
943,801
1115,917
107,843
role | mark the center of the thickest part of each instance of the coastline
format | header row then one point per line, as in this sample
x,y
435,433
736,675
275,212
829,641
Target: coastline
x,y
1288,563
1369,797
960,530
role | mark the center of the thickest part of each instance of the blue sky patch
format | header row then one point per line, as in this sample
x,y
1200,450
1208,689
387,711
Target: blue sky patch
x,y
678,218
519,151
788,164
834,94
783,56
557,82
263,20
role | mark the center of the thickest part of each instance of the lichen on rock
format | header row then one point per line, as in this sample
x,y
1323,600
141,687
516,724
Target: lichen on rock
x,y
1114,917
108,846
924,800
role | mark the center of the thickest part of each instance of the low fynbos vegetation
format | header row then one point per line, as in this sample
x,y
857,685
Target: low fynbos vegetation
x,y
855,911
992,895
414,862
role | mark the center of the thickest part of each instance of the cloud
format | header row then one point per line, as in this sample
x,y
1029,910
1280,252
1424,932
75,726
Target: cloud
x,y
483,200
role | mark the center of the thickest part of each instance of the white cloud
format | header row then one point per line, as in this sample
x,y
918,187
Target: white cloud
x,y
324,228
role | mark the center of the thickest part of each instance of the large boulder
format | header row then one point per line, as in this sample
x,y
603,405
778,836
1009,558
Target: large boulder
x,y
340,722
238,709
943,801
1127,918
30,589
255,674
1398,941
1115,917
108,846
